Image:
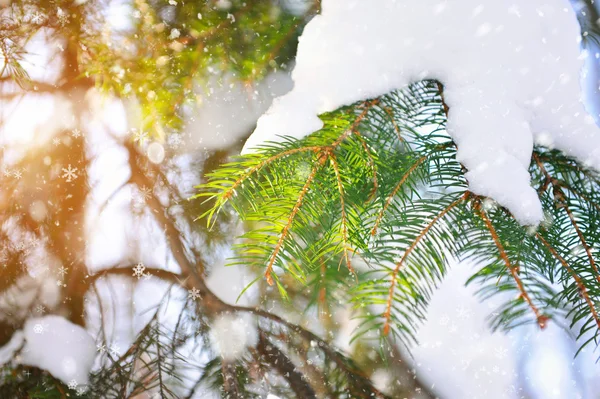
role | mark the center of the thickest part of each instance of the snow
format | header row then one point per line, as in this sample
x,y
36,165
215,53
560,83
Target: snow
x,y
7,352
232,334
64,349
477,363
230,110
511,75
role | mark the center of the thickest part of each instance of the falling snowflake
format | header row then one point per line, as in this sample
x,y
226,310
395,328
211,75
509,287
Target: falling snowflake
x,y
76,133
17,174
38,328
463,313
101,348
194,293
63,17
138,271
37,18
40,309
140,137
56,141
70,173
501,353
144,195
114,350
72,384
62,271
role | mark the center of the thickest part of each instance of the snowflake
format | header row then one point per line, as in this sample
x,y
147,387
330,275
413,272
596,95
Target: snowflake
x,y
62,271
37,18
140,137
38,328
114,350
101,348
463,313
56,141
72,384
17,174
7,172
194,293
63,17
40,309
70,173
138,271
145,193
501,353
76,133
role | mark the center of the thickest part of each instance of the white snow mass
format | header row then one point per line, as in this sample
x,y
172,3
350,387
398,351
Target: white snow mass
x,y
64,349
510,70
231,335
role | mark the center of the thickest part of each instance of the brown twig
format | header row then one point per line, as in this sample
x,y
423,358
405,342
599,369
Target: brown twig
x,y
292,217
286,368
580,284
541,319
562,201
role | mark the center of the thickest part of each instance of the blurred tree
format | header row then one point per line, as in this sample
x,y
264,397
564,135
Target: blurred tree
x,y
157,57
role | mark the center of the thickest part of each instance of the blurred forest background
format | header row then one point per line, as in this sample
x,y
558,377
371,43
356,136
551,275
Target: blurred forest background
x,y
112,112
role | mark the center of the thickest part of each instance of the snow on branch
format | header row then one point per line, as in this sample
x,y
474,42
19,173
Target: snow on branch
x,y
511,78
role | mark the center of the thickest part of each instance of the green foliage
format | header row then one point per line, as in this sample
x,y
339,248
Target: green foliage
x,y
378,194
170,50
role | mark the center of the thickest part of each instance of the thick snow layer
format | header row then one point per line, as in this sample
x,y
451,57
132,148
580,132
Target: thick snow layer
x,y
64,349
511,72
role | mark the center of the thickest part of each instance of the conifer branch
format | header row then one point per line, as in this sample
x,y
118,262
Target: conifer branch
x,y
280,362
395,192
229,192
389,112
562,202
388,311
583,241
371,163
578,280
340,185
284,233
541,319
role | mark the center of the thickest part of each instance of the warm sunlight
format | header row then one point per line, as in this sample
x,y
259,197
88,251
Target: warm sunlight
x,y
306,199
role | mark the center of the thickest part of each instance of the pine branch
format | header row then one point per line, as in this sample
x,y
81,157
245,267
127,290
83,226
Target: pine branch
x,y
541,319
294,212
344,216
407,253
280,362
582,288
395,191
